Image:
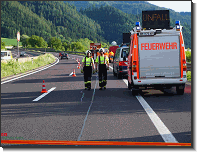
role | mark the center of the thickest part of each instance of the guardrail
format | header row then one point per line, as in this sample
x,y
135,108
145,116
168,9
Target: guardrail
x,y
188,66
42,50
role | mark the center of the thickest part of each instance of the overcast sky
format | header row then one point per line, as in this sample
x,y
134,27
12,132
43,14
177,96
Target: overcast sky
x,y
177,6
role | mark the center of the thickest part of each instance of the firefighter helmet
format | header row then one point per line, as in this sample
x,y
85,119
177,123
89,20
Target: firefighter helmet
x,y
114,43
88,51
101,50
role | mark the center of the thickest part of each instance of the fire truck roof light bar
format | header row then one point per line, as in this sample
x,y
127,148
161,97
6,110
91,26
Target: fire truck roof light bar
x,y
137,24
177,23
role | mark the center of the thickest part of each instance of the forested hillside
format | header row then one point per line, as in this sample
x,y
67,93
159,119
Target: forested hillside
x,y
113,21
99,21
132,7
16,17
47,19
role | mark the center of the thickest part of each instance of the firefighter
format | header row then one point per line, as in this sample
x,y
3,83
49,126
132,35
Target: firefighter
x,y
111,55
103,65
87,64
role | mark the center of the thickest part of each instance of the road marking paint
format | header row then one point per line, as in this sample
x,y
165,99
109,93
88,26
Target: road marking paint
x,y
44,94
30,73
82,97
161,128
125,81
111,67
88,110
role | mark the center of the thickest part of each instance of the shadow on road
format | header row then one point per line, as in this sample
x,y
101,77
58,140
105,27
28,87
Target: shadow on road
x,y
68,102
182,138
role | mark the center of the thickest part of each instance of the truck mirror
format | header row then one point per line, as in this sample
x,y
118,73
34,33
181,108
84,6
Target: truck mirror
x,y
124,58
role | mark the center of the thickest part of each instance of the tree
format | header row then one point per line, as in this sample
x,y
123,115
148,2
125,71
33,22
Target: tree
x,y
24,40
36,41
55,43
76,46
2,45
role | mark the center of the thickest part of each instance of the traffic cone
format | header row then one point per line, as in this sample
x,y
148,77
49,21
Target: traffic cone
x,y
78,67
74,73
43,88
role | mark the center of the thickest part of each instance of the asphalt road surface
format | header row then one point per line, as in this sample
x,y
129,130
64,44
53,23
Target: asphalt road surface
x,y
71,113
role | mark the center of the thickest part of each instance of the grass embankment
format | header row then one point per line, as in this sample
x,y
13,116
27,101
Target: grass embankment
x,y
188,75
11,42
12,67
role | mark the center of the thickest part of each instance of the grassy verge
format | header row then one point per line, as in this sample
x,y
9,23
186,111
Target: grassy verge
x,y
13,68
188,75
11,42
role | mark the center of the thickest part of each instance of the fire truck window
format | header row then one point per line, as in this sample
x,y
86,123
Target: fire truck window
x,y
125,53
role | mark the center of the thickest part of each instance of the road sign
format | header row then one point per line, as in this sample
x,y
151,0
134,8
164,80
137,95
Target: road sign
x,y
18,36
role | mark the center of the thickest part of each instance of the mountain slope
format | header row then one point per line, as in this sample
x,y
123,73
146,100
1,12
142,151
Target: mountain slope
x,y
113,21
68,21
15,16
133,7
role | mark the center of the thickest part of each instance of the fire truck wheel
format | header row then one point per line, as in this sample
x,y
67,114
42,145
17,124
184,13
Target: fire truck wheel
x,y
129,85
115,74
119,75
135,92
168,87
180,89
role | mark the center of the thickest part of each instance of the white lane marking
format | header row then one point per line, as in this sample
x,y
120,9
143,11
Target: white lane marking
x,y
125,81
70,73
88,110
30,73
82,97
111,67
161,128
44,94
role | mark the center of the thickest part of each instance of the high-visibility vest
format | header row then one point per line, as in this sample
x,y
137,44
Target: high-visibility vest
x,y
102,60
87,61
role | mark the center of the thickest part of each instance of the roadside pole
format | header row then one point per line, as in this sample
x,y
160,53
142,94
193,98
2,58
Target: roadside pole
x,y
18,39
18,47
